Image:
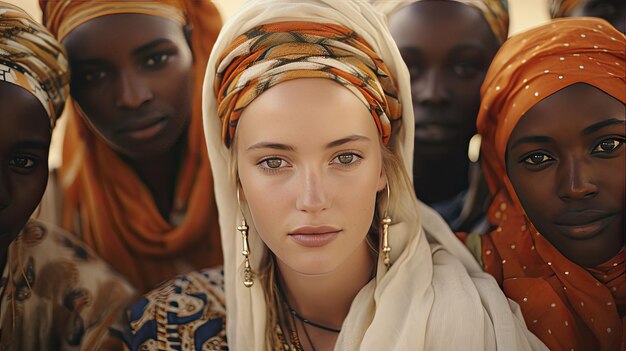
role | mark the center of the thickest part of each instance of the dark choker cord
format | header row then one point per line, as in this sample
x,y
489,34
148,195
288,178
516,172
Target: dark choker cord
x,y
302,319
311,323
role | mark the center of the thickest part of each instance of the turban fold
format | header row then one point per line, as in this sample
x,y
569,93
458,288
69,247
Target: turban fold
x,y
270,54
33,59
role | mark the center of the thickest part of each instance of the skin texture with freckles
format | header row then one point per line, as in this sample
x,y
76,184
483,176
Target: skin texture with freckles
x,y
447,47
565,159
24,143
309,160
135,86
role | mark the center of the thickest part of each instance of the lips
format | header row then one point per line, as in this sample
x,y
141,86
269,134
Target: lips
x,y
314,236
434,133
583,223
144,128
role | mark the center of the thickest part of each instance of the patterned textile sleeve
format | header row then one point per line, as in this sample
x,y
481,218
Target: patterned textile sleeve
x,y
57,295
186,313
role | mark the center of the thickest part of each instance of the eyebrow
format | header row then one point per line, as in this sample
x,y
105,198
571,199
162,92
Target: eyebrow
x,y
151,45
597,126
285,147
531,139
33,144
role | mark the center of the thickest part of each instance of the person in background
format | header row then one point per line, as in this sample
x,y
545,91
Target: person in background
x,y
309,127
447,70
614,11
55,294
135,182
553,126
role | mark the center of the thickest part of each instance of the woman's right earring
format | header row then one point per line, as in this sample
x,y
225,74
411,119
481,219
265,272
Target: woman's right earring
x,y
247,271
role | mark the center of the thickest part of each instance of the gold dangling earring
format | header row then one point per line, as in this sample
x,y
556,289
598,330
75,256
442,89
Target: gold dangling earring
x,y
385,222
243,229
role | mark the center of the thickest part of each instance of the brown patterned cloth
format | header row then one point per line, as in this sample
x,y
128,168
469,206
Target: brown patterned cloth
x,y
57,295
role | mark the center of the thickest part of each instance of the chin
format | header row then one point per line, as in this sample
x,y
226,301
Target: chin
x,y
312,264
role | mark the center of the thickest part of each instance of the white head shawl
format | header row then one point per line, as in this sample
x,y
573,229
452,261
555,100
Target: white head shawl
x,y
435,296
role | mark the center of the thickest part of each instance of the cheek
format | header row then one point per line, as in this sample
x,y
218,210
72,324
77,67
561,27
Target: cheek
x,y
28,195
535,191
267,199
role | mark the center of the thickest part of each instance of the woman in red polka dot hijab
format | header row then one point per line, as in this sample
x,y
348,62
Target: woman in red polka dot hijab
x,y
552,124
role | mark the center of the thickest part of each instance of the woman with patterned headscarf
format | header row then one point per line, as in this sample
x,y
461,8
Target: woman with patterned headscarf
x,y
613,11
309,128
135,180
446,72
552,123
55,294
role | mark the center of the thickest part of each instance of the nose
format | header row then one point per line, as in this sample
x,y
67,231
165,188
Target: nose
x,y
429,89
312,196
133,91
575,180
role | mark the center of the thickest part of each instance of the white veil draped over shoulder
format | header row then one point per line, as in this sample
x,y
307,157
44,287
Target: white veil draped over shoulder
x,y
435,295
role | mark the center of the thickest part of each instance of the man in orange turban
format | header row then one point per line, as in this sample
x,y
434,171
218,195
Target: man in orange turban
x,y
135,178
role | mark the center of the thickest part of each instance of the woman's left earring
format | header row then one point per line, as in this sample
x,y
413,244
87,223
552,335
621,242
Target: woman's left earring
x,y
243,229
385,222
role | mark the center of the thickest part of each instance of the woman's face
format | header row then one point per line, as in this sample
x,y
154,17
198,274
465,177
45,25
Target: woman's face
x,y
447,47
310,165
24,144
132,76
565,159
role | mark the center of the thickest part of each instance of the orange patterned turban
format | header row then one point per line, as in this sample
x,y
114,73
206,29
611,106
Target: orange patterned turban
x,y
563,8
31,58
270,54
495,12
567,306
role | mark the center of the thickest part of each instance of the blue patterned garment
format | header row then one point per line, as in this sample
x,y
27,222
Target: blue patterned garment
x,y
186,313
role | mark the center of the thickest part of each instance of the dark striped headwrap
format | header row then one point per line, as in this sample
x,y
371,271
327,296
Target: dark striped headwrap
x,y
33,59
270,54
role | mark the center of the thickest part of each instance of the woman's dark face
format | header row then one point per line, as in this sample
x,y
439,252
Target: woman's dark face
x,y
447,47
613,11
132,76
24,144
565,159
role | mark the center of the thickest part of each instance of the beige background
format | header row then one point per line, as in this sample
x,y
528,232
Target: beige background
x,y
524,13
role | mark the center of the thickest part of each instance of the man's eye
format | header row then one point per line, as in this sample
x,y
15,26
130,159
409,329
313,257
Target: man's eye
x,y
608,145
156,60
537,159
465,69
22,162
93,76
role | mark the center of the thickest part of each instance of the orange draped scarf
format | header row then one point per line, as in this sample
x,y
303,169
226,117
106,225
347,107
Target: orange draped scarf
x,y
104,199
567,306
